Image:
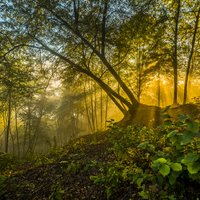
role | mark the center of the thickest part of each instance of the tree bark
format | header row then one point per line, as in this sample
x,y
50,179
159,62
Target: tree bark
x,y
8,121
175,53
158,88
17,131
104,27
190,58
87,109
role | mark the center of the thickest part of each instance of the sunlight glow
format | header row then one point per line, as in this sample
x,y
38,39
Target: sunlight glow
x,y
132,61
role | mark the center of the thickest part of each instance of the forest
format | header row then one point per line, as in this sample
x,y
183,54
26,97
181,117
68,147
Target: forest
x,y
99,99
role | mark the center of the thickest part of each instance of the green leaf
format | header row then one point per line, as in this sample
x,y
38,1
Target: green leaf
x,y
198,143
193,168
147,146
172,180
168,149
172,177
143,145
108,192
183,117
176,167
157,163
164,169
190,158
63,162
144,194
186,138
161,160
192,126
174,140
167,122
172,133
172,198
134,177
139,182
194,177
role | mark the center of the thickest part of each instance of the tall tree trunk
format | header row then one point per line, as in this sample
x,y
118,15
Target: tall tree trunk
x,y
139,74
37,127
25,136
36,134
27,130
95,107
104,27
92,108
190,58
175,51
101,108
17,131
8,121
29,125
106,111
158,86
87,109
13,142
76,13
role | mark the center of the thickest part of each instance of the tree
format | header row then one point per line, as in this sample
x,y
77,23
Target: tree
x,y
175,49
77,26
15,84
98,39
191,56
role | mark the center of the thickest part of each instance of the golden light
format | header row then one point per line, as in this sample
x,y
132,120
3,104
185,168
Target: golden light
x,y
132,61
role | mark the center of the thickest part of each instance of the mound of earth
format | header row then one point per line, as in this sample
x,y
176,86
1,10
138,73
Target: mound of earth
x,y
152,116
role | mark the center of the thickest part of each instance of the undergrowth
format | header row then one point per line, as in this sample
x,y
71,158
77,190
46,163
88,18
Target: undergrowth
x,y
161,163
123,163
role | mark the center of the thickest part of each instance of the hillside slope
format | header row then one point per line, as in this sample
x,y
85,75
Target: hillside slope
x,y
130,162
64,174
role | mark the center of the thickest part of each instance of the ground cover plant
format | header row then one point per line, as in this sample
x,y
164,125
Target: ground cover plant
x,y
129,162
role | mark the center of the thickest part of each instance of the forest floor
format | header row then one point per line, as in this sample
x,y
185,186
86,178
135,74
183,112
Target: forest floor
x,y
66,173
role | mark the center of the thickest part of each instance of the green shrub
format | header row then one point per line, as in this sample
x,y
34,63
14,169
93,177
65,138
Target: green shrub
x,y
161,163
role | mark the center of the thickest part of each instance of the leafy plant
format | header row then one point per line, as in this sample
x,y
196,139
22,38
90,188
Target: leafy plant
x,y
57,192
157,163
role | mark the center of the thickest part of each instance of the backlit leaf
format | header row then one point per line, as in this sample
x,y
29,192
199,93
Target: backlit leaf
x,y
176,167
164,169
161,160
189,158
